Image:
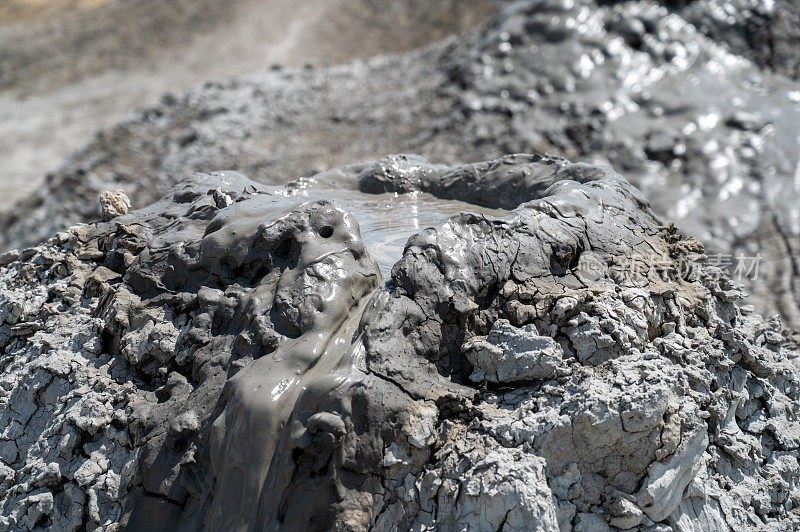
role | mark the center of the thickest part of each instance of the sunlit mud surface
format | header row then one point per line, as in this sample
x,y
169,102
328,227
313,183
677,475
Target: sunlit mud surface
x,y
483,336
387,220
707,130
231,358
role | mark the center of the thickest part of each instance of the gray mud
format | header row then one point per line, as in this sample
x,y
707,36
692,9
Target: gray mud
x,y
658,91
414,342
388,214
766,32
229,357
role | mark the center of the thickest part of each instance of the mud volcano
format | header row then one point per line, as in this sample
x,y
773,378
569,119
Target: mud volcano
x,y
687,99
231,357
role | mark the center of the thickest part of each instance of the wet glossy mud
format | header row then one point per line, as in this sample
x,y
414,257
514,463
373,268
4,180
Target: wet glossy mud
x,y
231,358
663,92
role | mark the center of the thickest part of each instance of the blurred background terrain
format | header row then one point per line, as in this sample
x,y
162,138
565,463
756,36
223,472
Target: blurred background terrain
x,y
71,67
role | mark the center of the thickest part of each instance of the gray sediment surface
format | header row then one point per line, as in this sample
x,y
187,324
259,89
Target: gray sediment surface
x,y
694,101
231,357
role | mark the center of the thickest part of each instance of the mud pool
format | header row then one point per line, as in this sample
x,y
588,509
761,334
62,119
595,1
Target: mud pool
x,y
387,220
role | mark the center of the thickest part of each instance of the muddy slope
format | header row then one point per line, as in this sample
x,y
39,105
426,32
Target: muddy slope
x,y
227,357
766,31
708,136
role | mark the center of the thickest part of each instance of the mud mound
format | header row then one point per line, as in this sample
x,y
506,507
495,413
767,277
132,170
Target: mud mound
x,y
708,136
228,358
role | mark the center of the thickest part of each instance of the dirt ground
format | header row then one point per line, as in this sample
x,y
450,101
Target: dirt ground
x,y
71,67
